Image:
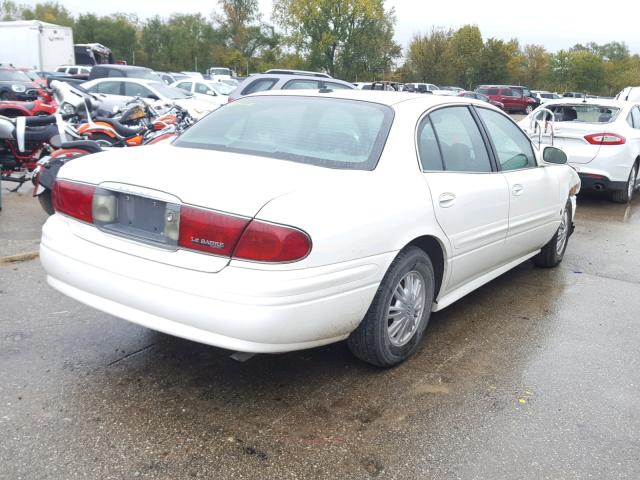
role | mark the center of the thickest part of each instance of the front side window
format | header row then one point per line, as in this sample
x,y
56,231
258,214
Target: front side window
x,y
325,132
512,146
462,146
203,89
108,88
135,90
186,86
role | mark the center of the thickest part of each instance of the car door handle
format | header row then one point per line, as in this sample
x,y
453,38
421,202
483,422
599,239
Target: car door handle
x,y
517,189
447,200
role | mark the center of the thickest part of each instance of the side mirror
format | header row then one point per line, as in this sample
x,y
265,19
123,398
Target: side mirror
x,y
554,155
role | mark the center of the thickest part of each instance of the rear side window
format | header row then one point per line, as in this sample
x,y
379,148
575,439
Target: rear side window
x,y
428,149
116,73
635,114
301,85
512,147
259,85
334,86
462,146
334,133
492,91
73,71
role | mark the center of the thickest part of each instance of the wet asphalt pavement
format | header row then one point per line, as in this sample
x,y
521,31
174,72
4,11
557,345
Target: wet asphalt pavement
x,y
535,376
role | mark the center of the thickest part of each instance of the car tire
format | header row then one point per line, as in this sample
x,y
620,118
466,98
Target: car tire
x,y
528,109
553,252
4,96
625,195
383,338
46,202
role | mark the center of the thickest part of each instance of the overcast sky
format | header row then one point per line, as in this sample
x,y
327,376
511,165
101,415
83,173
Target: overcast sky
x,y
554,24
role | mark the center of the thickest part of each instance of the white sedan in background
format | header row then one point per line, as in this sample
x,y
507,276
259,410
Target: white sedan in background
x,y
315,217
123,89
600,137
216,92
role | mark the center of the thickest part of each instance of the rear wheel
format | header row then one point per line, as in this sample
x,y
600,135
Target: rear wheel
x,y
103,139
528,109
625,195
395,322
553,252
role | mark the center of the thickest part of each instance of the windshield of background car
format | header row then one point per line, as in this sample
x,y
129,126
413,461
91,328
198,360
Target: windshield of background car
x,y
220,71
582,113
170,92
326,132
13,76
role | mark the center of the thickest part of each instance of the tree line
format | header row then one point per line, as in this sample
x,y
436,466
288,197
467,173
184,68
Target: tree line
x,y
461,57
350,39
346,38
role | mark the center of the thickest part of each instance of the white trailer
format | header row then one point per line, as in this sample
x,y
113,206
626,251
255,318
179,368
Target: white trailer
x,y
39,45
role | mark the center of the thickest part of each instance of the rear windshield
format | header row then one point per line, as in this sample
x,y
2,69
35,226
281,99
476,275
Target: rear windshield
x,y
326,132
584,113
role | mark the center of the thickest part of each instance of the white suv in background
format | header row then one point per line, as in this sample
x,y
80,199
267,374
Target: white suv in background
x,y
74,69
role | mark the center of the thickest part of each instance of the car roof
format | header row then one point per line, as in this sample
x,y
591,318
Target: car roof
x,y
120,67
143,81
374,96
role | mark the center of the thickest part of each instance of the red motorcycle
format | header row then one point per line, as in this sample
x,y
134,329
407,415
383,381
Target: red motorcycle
x,y
41,106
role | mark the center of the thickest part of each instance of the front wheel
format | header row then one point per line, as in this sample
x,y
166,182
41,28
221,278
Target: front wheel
x,y
553,252
625,195
528,109
395,322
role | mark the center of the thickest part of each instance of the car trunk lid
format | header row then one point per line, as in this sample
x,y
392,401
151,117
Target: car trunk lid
x,y
150,181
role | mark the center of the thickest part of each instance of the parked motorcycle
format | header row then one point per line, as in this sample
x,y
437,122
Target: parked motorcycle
x,y
161,129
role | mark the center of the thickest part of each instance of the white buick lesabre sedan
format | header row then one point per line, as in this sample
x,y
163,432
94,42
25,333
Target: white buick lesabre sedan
x,y
310,218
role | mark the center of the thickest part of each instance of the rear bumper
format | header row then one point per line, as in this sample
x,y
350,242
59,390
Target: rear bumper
x,y
261,311
597,182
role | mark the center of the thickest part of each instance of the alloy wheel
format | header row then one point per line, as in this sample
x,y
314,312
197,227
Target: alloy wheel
x,y
406,308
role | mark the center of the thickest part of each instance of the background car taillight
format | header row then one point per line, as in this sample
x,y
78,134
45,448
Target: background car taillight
x,y
605,139
74,199
266,242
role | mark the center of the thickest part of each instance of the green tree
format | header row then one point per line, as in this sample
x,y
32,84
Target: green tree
x,y
10,11
50,12
119,32
343,37
427,58
463,55
535,65
494,61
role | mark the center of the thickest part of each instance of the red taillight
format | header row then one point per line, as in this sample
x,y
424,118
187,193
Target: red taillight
x,y
74,199
209,231
266,242
245,239
605,139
